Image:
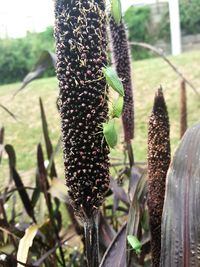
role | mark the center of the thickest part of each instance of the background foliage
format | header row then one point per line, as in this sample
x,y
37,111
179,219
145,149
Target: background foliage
x,y
189,18
17,56
139,24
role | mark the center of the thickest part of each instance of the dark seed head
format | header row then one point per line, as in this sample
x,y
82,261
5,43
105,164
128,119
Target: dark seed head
x,y
82,111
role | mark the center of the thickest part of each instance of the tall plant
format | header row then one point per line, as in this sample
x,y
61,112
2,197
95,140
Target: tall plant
x,y
121,56
158,164
81,43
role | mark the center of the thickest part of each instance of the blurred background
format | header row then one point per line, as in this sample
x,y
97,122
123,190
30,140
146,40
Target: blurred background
x,y
26,28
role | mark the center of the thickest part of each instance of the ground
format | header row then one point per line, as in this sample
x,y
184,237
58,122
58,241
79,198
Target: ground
x,y
25,133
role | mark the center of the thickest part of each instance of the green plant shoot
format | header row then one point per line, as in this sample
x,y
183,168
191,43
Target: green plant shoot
x,y
117,107
113,80
135,243
110,133
116,10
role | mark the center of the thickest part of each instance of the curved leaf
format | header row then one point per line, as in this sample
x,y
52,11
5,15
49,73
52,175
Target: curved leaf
x,y
181,213
45,60
49,147
18,182
115,255
8,111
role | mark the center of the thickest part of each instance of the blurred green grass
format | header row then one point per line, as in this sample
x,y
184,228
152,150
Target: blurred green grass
x,y
148,75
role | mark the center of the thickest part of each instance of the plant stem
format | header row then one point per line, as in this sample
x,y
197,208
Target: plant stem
x,y
92,240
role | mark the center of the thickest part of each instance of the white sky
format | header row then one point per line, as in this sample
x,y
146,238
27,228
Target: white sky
x,y
19,16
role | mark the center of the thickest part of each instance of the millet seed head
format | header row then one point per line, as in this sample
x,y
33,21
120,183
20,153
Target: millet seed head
x,y
81,43
122,60
158,164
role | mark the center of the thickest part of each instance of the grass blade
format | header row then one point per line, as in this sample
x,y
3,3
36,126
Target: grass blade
x,y
1,142
18,182
45,60
49,147
8,111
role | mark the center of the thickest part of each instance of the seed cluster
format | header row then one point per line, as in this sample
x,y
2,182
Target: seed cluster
x,y
81,42
122,61
158,164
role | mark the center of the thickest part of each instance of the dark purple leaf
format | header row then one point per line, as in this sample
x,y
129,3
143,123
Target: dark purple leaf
x,y
49,147
49,253
119,192
44,185
11,155
36,192
41,172
135,213
181,213
106,232
18,182
136,174
45,60
8,111
115,255
1,142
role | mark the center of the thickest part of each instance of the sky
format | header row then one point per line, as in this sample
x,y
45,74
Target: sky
x,y
19,16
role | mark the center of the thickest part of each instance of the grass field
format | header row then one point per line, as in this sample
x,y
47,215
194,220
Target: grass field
x,y
148,75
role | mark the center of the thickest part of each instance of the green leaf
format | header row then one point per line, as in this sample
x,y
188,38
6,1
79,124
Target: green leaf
x,y
116,10
113,80
135,243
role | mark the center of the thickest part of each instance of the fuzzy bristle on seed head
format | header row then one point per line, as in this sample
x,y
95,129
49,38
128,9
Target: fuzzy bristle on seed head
x,y
158,164
122,60
81,43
